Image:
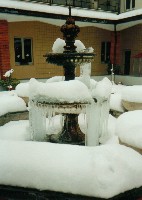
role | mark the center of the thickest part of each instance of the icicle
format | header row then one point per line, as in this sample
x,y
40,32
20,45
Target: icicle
x,y
105,115
85,72
37,118
92,118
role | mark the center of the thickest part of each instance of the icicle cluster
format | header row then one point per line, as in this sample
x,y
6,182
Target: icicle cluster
x,y
38,112
98,113
85,72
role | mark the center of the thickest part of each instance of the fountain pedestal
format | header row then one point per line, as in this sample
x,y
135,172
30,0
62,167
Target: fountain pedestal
x,y
71,133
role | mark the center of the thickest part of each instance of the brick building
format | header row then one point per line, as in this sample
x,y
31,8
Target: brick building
x,y
29,28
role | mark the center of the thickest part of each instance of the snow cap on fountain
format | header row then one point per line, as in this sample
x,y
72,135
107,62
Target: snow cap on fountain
x,y
72,91
103,89
58,46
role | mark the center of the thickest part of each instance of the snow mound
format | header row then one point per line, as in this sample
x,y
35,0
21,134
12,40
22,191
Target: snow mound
x,y
116,102
103,171
58,46
55,79
10,102
15,130
22,89
103,89
60,92
132,93
129,128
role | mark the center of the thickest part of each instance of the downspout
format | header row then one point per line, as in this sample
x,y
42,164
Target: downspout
x,y
119,7
115,44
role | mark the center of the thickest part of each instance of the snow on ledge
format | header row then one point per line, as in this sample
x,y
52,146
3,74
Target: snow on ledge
x,y
72,91
103,171
132,93
10,102
129,128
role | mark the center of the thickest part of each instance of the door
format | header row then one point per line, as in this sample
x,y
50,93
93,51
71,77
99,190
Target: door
x,y
127,62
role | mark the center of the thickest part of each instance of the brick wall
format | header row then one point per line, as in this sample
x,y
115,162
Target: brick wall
x,y
4,48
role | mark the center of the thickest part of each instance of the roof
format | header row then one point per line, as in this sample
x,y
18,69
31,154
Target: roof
x,y
14,10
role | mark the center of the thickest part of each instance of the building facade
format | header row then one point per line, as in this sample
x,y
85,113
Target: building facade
x,y
112,28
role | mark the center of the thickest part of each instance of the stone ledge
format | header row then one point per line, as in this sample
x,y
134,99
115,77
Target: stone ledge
x,y
15,116
33,194
131,105
127,145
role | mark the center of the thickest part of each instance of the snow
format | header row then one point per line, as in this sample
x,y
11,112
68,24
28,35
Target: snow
x,y
10,102
103,89
91,171
132,94
15,130
129,128
116,102
8,73
116,98
72,91
22,89
56,9
64,10
58,46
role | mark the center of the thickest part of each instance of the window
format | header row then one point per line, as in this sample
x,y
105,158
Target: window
x,y
130,4
23,51
105,52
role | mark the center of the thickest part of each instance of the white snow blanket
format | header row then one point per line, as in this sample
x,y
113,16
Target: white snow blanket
x,y
129,128
60,92
103,171
132,93
10,102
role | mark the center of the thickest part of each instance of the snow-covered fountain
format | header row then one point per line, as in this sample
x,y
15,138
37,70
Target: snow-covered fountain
x,y
70,97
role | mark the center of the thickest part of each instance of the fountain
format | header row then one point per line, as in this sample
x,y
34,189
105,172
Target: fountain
x,y
70,59
44,103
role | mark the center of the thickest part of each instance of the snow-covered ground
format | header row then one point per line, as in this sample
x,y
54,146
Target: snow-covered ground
x,y
102,171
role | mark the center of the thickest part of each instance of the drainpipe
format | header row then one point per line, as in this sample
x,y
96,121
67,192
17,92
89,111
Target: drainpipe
x,y
119,7
98,4
115,44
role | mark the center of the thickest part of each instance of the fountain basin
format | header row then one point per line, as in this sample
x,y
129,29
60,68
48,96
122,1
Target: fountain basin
x,y
62,108
75,58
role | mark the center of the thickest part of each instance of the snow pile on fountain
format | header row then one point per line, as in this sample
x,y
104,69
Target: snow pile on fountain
x,y
59,92
103,89
129,128
9,102
58,46
55,79
116,98
132,93
22,89
98,113
103,171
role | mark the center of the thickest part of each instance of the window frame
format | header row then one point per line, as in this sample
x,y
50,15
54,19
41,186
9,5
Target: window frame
x,y
23,60
105,52
131,4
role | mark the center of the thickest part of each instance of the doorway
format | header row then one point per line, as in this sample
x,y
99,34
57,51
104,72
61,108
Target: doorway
x,y
127,62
